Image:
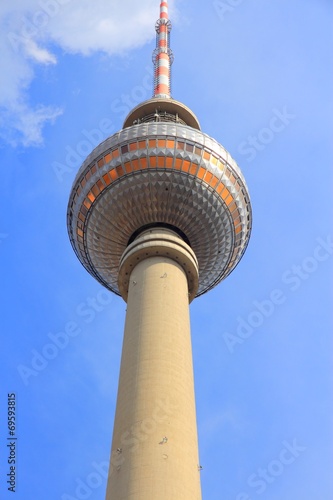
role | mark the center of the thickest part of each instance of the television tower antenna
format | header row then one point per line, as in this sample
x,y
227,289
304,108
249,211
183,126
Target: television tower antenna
x,y
162,55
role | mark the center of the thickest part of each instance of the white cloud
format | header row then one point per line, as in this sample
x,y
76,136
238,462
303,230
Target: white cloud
x,y
30,27
23,125
113,27
38,54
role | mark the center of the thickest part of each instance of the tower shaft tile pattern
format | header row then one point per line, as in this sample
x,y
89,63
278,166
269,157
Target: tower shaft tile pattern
x,y
155,446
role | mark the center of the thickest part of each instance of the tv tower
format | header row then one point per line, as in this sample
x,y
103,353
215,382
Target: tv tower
x,y
159,213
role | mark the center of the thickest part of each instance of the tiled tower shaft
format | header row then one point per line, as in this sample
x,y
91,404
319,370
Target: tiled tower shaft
x,y
155,447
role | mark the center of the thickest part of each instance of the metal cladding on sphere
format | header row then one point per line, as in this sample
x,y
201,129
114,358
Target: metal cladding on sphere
x,y
159,173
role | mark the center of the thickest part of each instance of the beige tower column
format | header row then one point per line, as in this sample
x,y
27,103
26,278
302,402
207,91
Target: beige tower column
x,y
155,446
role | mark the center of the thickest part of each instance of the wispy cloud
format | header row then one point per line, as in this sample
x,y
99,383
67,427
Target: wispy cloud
x,y
38,54
22,124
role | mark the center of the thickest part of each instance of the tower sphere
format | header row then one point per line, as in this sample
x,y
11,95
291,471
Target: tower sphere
x,y
160,170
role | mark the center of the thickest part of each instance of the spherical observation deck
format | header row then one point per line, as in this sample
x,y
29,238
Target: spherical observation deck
x,y
159,172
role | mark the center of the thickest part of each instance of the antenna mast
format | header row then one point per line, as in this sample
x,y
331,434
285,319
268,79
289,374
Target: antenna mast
x,y
162,55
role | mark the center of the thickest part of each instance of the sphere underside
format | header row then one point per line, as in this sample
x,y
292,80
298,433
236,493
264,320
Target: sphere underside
x,y
159,173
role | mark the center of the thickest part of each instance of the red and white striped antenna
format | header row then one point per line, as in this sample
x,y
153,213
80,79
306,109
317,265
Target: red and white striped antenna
x,y
162,55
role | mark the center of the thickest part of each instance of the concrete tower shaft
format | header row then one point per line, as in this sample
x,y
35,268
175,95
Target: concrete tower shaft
x,y
155,429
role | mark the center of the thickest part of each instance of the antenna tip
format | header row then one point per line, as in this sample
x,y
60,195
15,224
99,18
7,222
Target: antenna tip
x,y
164,10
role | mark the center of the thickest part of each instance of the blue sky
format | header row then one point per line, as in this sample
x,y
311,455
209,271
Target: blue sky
x,y
258,75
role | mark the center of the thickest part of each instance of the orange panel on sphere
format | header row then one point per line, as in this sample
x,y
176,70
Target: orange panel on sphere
x,y
106,179
225,193
107,158
91,197
228,199
214,181
113,174
153,161
100,184
220,188
135,164
128,167
143,162
120,171
201,172
233,206
160,161
178,163
193,168
208,176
